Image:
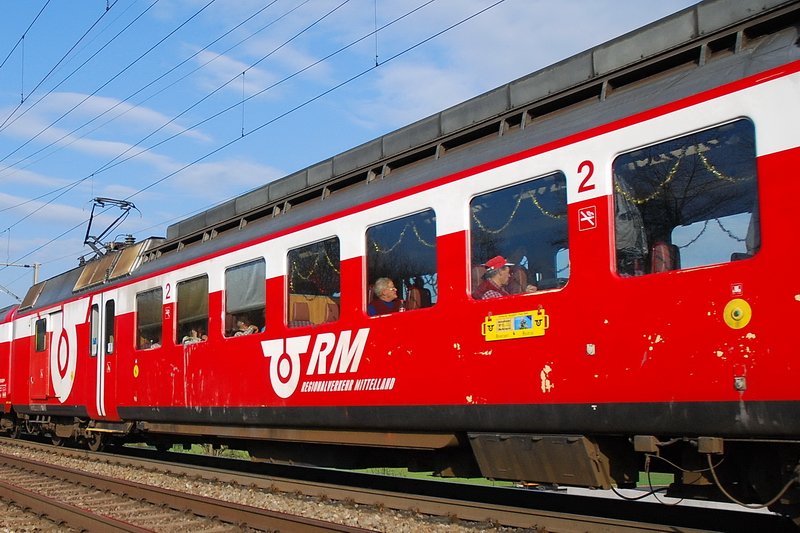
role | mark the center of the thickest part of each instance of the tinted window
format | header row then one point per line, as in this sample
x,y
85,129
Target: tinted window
x,y
687,202
526,224
192,310
94,330
313,283
109,327
245,297
404,251
41,334
148,319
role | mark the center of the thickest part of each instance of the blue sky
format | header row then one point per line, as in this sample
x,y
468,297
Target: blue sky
x,y
143,99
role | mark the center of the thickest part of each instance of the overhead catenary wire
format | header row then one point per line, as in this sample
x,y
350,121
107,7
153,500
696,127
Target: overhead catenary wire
x,y
57,63
278,117
74,184
22,37
109,165
64,80
148,85
114,77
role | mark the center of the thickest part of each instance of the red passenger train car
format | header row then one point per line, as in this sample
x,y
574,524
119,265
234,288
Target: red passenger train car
x,y
632,207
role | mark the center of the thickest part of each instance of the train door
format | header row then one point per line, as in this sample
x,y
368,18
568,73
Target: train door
x,y
6,338
102,321
39,360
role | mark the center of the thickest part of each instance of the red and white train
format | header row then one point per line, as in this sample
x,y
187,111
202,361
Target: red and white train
x,y
644,187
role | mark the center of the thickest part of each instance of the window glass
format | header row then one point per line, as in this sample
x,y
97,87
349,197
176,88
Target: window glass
x,y
687,202
245,297
41,334
192,311
148,319
109,327
523,226
313,284
94,330
402,253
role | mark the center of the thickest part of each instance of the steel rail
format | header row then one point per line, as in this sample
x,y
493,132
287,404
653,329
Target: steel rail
x,y
63,513
568,514
241,515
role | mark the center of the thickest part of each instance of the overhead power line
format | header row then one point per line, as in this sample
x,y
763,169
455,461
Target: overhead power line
x,y
109,165
146,86
22,37
58,63
280,116
114,77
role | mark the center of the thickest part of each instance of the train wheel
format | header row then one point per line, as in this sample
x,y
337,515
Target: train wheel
x,y
15,432
57,441
96,441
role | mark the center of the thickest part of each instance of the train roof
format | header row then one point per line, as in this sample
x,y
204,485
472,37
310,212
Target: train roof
x,y
696,49
595,73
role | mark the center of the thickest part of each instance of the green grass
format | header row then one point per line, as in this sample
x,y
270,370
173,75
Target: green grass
x,y
656,479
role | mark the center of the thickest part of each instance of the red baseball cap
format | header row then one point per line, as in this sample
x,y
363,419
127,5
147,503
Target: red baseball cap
x,y
497,262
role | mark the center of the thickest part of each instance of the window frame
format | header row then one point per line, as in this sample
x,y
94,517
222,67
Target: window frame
x,y
192,300
158,303
317,301
403,280
556,281
718,185
230,313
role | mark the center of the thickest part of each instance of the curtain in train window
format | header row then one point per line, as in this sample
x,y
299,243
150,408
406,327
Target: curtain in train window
x,y
313,283
687,202
245,297
404,251
526,224
148,319
192,311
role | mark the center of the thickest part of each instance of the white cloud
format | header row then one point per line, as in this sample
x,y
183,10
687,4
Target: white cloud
x,y
219,70
219,180
122,114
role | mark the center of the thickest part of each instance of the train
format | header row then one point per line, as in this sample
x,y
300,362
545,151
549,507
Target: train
x,y
627,206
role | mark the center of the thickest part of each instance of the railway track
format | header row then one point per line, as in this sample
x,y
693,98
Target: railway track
x,y
464,508
92,502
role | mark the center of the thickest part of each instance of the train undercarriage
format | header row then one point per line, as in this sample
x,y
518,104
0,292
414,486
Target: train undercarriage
x,y
752,473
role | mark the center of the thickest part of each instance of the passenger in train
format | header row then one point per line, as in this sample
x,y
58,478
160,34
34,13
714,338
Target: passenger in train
x,y
147,344
244,327
518,274
424,293
194,335
495,279
385,300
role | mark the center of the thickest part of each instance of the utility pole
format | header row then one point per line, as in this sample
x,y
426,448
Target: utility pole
x,y
34,266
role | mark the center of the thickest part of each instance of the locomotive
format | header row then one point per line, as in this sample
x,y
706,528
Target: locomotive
x,y
632,197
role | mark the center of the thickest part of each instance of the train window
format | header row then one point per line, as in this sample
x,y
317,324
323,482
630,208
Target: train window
x,y
94,330
41,334
108,335
245,297
192,311
148,319
404,251
313,284
687,202
526,225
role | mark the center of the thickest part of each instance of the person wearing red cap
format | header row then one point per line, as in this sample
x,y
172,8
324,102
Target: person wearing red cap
x,y
494,279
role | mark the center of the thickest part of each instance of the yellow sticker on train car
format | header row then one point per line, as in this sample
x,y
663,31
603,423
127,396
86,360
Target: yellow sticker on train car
x,y
515,325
